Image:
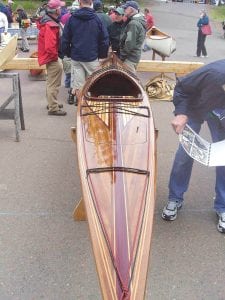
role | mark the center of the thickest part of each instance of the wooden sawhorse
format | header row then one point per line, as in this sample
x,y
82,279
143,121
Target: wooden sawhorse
x,y
15,113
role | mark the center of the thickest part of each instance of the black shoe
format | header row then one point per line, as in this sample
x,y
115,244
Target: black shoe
x,y
71,97
57,113
24,50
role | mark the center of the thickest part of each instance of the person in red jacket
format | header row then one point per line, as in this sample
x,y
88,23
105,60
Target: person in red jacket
x,y
48,53
149,24
149,19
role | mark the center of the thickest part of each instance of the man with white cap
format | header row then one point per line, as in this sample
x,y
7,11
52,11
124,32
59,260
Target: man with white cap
x,y
48,53
133,35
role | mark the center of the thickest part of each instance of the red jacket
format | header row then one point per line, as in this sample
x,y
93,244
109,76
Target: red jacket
x,y
149,21
48,40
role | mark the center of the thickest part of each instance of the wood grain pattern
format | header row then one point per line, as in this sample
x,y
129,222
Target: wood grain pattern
x,y
8,51
116,154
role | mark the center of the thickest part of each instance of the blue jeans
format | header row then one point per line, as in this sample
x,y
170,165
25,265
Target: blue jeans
x,y
182,167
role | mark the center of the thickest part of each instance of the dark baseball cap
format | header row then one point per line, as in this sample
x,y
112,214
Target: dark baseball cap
x,y
133,4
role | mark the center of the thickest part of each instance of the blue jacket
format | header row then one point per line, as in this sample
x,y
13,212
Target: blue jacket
x,y
84,37
203,21
201,91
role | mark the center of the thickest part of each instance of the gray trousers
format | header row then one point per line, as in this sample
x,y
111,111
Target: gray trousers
x,y
79,72
24,43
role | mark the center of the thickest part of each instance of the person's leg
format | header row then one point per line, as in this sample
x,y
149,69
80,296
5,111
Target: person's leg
x,y
67,70
90,67
204,52
218,134
25,45
53,83
181,171
179,179
199,46
77,75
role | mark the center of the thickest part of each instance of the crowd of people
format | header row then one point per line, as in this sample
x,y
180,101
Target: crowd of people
x,y
74,40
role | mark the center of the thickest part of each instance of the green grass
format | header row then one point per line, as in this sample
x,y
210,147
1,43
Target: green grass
x,y
218,13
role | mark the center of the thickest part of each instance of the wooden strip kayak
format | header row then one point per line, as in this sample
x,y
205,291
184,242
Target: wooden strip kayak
x,y
116,154
160,41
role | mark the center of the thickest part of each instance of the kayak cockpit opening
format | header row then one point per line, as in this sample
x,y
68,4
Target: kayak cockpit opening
x,y
114,86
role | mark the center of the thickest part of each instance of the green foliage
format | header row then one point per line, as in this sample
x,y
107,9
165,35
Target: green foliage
x,y
218,13
29,6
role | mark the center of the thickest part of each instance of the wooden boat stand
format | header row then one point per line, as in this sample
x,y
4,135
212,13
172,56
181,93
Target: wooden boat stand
x,y
154,52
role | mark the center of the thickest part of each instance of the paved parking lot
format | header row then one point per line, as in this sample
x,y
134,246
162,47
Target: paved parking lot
x,y
44,254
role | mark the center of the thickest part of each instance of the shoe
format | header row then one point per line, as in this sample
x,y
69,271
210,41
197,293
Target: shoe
x,y
221,222
60,106
57,113
71,97
170,210
196,55
204,56
75,100
25,50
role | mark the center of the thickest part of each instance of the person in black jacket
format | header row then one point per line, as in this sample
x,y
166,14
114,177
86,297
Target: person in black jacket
x,y
115,30
198,97
85,40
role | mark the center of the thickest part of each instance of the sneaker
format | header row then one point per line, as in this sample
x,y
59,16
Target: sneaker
x,y
221,223
57,113
25,50
204,56
170,210
60,106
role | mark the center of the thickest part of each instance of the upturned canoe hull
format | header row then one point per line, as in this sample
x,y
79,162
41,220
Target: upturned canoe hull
x,y
116,154
160,41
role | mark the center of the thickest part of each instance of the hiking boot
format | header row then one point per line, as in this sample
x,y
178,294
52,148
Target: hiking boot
x,y
221,222
170,210
60,106
57,113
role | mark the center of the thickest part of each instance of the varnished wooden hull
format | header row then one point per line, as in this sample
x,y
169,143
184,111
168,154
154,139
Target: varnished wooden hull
x,y
160,41
116,153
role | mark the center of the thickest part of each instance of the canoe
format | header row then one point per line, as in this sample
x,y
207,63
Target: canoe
x,y
160,41
116,155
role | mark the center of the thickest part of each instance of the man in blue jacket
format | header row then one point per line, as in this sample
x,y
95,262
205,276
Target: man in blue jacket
x,y
198,97
85,40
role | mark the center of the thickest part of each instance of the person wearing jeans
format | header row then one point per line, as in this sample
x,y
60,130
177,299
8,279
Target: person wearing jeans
x,y
196,96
